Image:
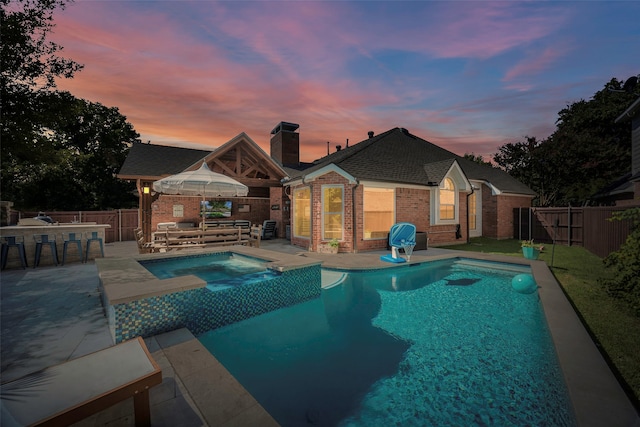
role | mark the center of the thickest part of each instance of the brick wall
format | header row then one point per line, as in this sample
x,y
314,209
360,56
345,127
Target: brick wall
x,y
504,213
412,205
282,215
489,213
440,235
162,209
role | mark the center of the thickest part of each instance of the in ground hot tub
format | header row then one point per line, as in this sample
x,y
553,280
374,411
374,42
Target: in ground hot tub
x,y
156,293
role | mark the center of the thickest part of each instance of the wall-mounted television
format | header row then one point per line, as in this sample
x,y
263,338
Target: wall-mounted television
x,y
212,209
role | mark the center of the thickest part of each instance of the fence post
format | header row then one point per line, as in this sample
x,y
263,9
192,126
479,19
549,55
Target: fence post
x,y
530,225
119,225
520,223
569,227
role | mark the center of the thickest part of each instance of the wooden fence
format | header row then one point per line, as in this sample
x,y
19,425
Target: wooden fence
x,y
122,221
588,227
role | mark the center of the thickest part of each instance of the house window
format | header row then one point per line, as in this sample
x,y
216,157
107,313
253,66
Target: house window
x,y
447,200
472,211
332,212
302,212
379,212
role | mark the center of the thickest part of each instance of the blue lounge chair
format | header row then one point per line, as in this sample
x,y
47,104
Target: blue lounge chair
x,y
401,234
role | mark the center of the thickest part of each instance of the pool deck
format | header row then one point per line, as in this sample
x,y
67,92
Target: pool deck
x,y
53,314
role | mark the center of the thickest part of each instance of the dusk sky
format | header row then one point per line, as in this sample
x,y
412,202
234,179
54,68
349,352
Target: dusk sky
x,y
469,76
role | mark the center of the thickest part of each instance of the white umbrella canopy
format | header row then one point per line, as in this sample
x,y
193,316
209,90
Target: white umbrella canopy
x,y
202,182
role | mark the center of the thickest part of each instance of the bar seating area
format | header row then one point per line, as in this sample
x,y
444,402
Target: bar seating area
x,y
41,244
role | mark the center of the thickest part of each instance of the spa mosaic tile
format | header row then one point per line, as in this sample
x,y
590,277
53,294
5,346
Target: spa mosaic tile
x,y
203,309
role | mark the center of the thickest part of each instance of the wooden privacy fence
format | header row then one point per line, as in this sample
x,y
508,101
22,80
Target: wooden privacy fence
x,y
122,221
588,227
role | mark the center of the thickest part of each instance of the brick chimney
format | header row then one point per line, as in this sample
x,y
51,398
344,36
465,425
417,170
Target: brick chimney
x,y
285,144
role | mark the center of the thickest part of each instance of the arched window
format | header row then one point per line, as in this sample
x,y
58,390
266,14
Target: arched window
x,y
448,200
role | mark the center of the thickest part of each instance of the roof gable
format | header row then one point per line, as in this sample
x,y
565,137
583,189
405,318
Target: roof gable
x,y
242,159
436,171
330,168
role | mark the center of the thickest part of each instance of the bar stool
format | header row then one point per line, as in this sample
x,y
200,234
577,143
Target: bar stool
x,y
94,237
72,238
9,242
41,240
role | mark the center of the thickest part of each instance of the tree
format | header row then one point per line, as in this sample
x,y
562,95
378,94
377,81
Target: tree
x,y
88,144
624,264
477,159
28,58
526,161
516,158
586,151
594,148
57,152
29,66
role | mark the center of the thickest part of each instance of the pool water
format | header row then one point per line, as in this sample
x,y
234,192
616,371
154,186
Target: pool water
x,y
443,343
219,270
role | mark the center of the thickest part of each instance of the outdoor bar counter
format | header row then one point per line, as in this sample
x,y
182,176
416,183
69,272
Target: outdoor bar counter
x,y
83,231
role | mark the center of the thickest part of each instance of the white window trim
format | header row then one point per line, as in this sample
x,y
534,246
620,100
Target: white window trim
x,y
381,187
435,204
341,187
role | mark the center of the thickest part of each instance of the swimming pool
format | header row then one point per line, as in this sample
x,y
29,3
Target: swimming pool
x,y
440,343
219,270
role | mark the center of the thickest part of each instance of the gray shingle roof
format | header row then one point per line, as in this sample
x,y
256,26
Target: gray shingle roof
x,y
436,171
398,156
148,160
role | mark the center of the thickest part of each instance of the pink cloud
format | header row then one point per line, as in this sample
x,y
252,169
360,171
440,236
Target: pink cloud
x,y
530,66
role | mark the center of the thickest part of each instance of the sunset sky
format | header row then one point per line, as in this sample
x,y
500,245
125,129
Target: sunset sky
x,y
466,75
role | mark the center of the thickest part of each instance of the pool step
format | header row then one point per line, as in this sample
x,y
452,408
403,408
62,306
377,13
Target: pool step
x,y
516,268
332,278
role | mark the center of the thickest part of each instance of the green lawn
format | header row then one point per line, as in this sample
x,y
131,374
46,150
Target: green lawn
x,y
614,326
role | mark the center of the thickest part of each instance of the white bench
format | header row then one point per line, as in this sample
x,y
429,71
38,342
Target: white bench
x,y
67,393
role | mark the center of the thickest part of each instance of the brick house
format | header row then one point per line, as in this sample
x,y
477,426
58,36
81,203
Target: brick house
x,y
355,194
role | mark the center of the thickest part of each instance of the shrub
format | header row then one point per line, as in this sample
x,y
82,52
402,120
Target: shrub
x,y
624,264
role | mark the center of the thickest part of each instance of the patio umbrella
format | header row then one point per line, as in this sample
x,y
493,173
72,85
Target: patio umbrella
x,y
202,182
